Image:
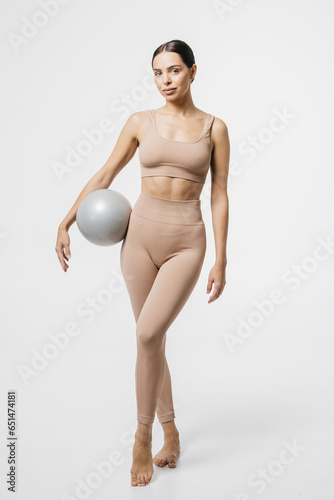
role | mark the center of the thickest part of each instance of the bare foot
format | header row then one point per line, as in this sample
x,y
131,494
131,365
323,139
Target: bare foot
x,y
142,465
168,454
171,448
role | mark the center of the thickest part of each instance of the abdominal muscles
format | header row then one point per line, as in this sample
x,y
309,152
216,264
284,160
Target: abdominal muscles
x,y
172,188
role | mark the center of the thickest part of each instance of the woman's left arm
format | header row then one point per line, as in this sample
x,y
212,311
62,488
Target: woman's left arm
x,y
219,205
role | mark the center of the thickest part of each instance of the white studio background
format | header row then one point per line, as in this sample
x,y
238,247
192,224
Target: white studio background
x,y
252,372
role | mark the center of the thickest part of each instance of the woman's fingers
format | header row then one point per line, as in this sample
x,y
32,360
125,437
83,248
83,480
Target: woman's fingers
x,y
218,290
68,251
65,265
61,257
63,248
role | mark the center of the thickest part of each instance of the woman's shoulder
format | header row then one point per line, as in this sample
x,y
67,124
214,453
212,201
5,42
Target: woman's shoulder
x,y
138,116
217,122
137,120
219,132
219,125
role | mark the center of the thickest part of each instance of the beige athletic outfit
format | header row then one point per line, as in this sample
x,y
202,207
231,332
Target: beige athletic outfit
x,y
161,258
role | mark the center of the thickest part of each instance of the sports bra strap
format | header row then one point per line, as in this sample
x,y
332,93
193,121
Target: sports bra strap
x,y
150,117
208,125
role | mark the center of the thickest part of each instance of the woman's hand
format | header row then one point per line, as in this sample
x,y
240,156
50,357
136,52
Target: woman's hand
x,y
216,276
63,243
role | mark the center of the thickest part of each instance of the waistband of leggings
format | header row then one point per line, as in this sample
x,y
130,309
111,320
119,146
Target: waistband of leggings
x,y
187,212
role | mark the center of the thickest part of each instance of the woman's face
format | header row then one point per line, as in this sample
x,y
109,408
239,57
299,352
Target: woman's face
x,y
170,72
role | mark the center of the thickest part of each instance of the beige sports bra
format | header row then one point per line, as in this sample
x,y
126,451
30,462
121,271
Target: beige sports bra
x,y
163,157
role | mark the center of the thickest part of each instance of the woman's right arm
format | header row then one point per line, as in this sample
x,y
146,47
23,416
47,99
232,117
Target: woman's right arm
x,y
122,153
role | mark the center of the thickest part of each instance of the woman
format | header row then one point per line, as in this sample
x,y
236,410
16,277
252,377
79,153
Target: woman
x,y
163,250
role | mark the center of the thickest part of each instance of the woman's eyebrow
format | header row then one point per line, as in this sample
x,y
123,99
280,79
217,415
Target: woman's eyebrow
x,y
169,67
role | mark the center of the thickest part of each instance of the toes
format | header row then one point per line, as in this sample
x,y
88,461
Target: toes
x,y
139,481
148,478
161,462
171,461
142,481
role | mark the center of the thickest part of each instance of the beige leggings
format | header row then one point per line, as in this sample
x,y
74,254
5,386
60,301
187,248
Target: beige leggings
x,y
161,258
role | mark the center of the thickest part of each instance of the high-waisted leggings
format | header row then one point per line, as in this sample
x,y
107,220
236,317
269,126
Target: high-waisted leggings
x,y
161,258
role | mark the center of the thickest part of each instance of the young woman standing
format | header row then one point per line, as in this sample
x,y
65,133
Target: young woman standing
x,y
162,254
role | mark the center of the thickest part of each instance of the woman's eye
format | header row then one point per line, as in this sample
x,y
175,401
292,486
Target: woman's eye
x,y
159,72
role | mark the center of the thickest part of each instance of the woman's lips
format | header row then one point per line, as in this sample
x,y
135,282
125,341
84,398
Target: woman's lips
x,y
169,91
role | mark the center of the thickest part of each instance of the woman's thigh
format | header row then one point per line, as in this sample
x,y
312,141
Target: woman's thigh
x,y
137,267
170,290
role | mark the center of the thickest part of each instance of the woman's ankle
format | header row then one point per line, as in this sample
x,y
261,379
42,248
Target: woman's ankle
x,y
170,429
144,430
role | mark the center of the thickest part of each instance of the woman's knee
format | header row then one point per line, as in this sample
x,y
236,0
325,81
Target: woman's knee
x,y
149,336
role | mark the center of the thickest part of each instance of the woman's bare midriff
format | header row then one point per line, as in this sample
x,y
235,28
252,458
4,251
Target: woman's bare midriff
x,y
172,188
